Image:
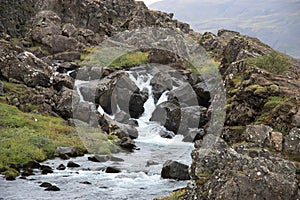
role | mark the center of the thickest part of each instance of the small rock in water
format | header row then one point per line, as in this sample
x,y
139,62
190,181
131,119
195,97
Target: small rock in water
x,y
52,188
112,170
47,171
85,182
61,167
72,164
33,165
27,172
98,158
151,162
116,159
64,156
42,167
46,184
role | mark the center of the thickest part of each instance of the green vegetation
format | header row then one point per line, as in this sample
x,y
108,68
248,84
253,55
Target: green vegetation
x,y
130,60
273,62
257,89
175,195
105,57
95,141
271,108
26,137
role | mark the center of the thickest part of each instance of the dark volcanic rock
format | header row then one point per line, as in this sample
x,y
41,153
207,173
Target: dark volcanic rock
x,y
112,170
175,170
46,184
52,188
168,114
61,167
47,171
72,164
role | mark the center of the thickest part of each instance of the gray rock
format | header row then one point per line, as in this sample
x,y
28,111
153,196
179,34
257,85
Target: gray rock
x,y
127,143
185,95
69,30
296,119
227,174
1,88
63,80
99,158
67,98
161,82
70,151
193,134
175,170
257,134
292,144
203,94
68,56
24,67
167,114
192,117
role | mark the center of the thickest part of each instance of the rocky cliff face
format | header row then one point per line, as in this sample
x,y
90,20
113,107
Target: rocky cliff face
x,y
257,155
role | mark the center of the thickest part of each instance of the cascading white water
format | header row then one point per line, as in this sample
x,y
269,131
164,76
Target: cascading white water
x,y
137,181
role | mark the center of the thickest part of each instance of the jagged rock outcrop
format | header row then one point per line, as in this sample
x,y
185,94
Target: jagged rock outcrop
x,y
219,172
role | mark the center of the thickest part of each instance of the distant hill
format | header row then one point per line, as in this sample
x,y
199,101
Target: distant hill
x,y
275,22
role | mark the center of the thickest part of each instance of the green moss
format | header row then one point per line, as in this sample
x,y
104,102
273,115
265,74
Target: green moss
x,y
275,88
25,137
273,62
237,128
130,60
237,79
34,48
103,58
10,173
174,196
256,89
273,103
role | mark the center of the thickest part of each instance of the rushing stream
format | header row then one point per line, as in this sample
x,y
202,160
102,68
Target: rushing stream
x,y
140,171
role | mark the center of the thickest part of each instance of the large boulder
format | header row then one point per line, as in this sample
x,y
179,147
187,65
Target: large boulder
x,y
161,82
185,95
175,170
168,114
66,100
63,80
192,117
24,67
219,172
203,94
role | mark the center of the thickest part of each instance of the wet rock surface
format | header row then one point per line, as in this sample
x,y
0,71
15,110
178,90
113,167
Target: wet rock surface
x,y
175,170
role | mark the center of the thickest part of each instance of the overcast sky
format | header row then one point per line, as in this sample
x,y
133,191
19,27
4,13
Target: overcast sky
x,y
148,2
